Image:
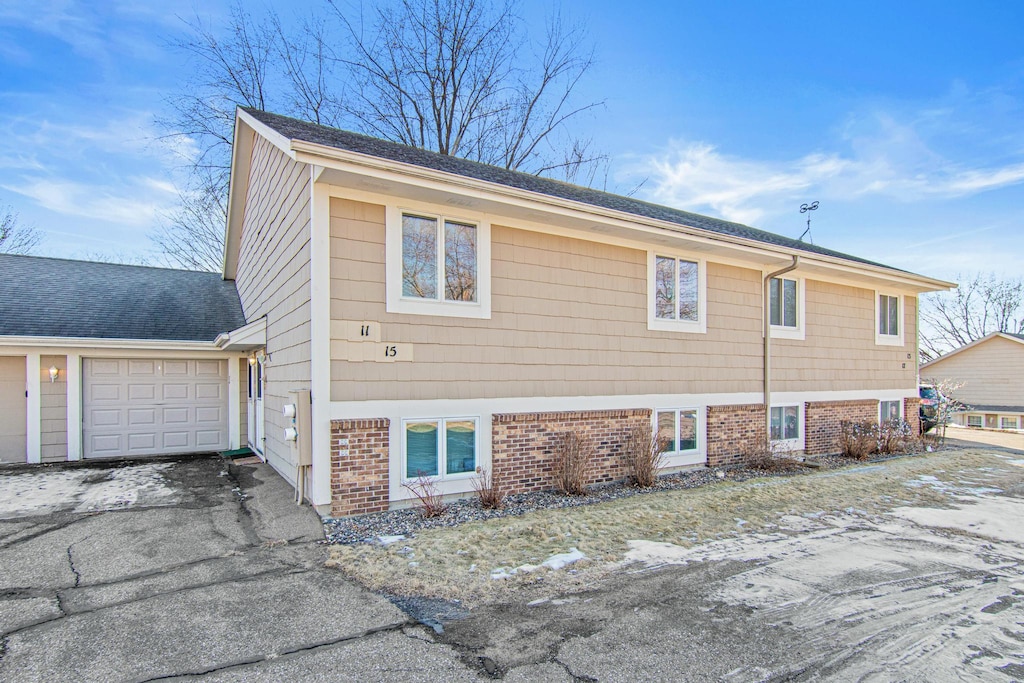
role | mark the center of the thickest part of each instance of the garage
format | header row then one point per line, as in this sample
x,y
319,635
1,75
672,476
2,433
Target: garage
x,y
12,409
153,406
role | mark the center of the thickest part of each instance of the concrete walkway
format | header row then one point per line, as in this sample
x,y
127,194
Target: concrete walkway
x,y
187,568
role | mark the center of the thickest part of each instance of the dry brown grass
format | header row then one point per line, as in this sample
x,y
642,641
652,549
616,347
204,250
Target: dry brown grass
x,y
455,563
573,453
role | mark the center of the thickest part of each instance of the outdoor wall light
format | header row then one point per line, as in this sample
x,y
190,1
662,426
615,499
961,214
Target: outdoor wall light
x,y
252,360
54,372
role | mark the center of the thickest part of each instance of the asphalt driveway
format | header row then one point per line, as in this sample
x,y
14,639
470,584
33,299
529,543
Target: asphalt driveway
x,y
185,568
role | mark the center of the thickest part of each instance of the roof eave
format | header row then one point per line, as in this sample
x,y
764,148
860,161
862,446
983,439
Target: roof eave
x,y
318,154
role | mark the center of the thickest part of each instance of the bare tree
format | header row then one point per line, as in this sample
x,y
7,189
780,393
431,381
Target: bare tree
x,y
458,77
981,305
192,236
16,238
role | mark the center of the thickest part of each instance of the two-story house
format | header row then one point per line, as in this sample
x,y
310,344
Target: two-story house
x,y
446,315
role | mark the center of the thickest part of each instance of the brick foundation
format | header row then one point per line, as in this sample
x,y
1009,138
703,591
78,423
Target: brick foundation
x,y
523,445
359,466
730,428
912,413
822,420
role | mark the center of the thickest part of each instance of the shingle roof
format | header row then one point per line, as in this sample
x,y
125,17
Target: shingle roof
x,y
295,129
49,297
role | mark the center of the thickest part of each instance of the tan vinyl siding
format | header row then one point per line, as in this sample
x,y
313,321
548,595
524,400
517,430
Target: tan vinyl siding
x,y
839,351
992,372
53,397
569,317
13,409
273,281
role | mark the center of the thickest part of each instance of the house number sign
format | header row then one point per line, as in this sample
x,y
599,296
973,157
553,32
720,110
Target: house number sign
x,y
359,341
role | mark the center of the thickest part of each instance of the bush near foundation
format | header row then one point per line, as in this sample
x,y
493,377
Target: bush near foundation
x,y
767,456
645,456
573,453
488,490
861,440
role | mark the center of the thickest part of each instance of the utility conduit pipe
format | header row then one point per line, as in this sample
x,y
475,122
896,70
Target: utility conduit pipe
x,y
766,314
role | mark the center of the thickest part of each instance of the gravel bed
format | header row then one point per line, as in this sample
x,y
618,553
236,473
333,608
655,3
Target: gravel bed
x,y
370,528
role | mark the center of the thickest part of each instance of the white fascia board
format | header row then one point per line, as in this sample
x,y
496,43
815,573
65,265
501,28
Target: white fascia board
x,y
372,166
247,337
238,188
98,343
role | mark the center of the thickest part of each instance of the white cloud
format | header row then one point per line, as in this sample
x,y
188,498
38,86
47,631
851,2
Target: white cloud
x,y
130,205
889,160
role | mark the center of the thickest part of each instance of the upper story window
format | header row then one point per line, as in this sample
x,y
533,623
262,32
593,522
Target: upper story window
x,y
437,264
888,331
677,293
786,307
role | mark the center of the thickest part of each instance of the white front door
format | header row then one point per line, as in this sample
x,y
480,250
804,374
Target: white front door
x,y
255,413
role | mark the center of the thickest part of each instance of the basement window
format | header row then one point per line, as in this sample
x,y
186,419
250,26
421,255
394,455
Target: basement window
x,y
785,423
439,448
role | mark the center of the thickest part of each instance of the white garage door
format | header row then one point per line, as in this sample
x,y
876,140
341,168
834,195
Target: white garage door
x,y
144,406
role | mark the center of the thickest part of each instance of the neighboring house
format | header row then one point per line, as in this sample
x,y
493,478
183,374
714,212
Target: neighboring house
x,y
127,356
447,315
991,370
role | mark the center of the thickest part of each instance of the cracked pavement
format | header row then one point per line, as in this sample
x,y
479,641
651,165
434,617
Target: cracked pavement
x,y
217,576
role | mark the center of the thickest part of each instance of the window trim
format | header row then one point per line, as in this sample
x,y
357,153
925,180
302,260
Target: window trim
x,y
979,418
881,403
395,302
692,456
442,450
782,331
793,441
698,326
1016,421
890,339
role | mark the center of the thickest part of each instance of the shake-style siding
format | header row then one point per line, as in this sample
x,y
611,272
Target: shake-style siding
x,y
53,405
992,373
569,318
273,281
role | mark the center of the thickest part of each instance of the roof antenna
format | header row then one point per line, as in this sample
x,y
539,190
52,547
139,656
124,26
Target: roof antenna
x,y
807,208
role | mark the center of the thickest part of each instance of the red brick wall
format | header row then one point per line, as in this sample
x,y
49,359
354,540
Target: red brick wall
x,y
912,413
730,428
359,466
822,420
523,445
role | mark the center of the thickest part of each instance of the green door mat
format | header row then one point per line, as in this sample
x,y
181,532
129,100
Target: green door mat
x,y
237,453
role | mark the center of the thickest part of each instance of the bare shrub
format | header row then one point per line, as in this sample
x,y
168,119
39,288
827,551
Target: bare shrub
x,y
767,456
573,453
858,439
645,455
488,490
431,500
895,436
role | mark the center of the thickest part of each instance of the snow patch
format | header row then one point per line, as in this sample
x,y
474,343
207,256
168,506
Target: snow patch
x,y
553,563
84,490
996,517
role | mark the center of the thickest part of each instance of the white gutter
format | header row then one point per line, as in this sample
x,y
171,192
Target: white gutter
x,y
95,342
768,343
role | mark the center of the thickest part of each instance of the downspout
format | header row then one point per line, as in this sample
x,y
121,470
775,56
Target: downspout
x,y
768,344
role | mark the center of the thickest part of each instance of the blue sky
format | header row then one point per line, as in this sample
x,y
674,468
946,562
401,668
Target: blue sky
x,y
904,120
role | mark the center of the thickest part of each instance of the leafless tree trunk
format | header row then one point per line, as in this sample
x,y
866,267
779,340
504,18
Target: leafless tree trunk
x,y
982,304
16,238
458,77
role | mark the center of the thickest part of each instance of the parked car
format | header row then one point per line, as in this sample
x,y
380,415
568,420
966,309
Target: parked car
x,y
930,400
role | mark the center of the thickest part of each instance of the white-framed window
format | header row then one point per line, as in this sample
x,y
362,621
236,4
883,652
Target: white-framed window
x,y
975,421
679,429
676,292
890,410
786,307
785,423
440,448
438,263
888,319
1008,422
